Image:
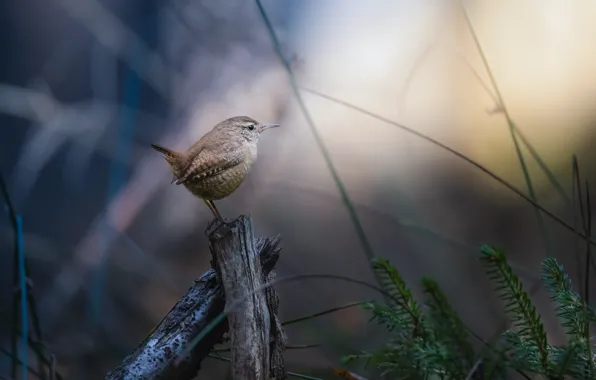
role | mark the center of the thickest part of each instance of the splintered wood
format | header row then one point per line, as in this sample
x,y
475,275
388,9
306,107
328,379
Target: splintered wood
x,y
241,266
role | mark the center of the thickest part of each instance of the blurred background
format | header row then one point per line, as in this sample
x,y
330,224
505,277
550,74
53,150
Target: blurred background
x,y
87,85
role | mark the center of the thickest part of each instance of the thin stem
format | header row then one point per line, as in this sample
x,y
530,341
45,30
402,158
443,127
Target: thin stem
x,y
588,231
20,278
576,192
479,166
23,298
24,295
18,361
217,320
520,156
362,237
328,311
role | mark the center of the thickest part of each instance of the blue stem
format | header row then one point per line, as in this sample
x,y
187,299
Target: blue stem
x,y
23,290
117,180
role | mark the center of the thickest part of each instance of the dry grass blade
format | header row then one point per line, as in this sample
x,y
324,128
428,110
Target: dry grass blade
x,y
321,313
520,156
358,227
216,321
585,212
482,168
586,221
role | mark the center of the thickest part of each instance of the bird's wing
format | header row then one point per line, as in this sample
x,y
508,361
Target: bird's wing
x,y
208,163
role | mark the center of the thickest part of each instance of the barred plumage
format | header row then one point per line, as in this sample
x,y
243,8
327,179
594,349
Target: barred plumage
x,y
216,165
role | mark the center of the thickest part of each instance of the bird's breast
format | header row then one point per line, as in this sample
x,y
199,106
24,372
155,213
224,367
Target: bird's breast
x,y
225,183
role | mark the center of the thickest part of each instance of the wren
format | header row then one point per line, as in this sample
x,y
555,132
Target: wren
x,y
216,165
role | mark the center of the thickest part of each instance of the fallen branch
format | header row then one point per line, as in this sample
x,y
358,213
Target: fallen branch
x,y
203,302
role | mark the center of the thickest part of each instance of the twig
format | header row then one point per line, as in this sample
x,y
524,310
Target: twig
x,y
473,370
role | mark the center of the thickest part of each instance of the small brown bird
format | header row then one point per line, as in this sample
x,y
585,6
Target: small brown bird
x,y
214,167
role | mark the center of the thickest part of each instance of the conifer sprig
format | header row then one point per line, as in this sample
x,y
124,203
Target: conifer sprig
x,y
447,325
401,296
432,342
517,302
571,309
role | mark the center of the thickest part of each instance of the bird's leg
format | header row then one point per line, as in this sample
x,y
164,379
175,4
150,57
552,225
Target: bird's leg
x,y
214,210
217,212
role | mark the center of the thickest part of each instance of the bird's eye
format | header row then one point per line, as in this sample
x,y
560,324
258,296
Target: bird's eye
x,y
251,127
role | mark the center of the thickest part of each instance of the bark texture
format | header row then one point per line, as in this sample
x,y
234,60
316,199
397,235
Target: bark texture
x,y
244,263
234,255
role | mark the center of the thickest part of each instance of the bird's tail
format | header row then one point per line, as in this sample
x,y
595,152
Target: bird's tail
x,y
175,159
168,153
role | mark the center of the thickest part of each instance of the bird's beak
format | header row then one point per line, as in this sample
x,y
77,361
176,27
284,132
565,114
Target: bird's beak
x,y
262,127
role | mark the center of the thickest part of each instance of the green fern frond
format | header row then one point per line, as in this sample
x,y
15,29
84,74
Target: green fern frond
x,y
574,313
517,303
570,307
565,361
447,326
393,320
347,359
435,358
496,361
401,296
394,359
524,354
431,342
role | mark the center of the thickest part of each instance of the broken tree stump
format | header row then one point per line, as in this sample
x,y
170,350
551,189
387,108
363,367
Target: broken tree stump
x,y
231,245
255,331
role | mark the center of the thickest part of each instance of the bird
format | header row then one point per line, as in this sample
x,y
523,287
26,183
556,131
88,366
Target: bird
x,y
217,164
